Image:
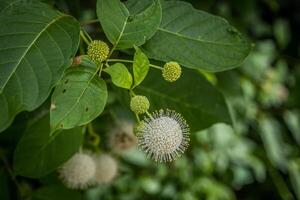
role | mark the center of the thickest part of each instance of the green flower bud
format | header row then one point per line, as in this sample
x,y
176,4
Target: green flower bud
x,y
139,104
171,71
98,51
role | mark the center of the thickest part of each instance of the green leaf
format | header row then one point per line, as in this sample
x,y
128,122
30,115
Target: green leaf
x,y
137,6
120,75
124,30
37,154
78,99
6,4
201,105
294,173
292,120
196,39
36,46
140,67
57,193
270,132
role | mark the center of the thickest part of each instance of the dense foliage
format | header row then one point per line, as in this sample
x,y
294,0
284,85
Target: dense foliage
x,y
82,82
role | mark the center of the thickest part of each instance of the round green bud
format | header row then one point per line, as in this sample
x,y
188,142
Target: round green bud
x,y
171,71
139,104
98,51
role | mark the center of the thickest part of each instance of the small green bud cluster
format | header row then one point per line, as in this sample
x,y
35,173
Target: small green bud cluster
x,y
139,104
171,71
98,51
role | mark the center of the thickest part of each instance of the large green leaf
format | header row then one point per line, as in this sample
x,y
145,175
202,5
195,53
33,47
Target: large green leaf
x,y
140,67
36,44
38,153
6,4
196,39
192,95
124,30
120,75
78,99
56,192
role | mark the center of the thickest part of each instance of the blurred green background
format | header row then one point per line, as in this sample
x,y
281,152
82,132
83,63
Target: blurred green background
x,y
257,158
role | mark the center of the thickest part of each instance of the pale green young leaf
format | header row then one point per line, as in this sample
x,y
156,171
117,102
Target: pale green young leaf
x,y
120,75
78,98
140,67
124,30
38,153
36,46
196,39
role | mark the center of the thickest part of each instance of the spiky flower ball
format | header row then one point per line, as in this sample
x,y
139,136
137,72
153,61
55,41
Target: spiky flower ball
x,y
164,136
107,169
98,51
171,71
139,104
122,137
79,171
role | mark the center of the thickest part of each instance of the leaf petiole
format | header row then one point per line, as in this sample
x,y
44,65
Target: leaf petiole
x,y
89,22
84,38
131,61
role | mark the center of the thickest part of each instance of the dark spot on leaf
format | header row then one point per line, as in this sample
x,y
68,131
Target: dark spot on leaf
x,y
64,91
61,125
66,81
130,18
86,109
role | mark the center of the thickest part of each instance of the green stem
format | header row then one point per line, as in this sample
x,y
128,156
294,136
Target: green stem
x,y
131,61
89,22
149,115
82,35
87,35
91,130
132,94
280,184
10,172
94,136
100,69
137,118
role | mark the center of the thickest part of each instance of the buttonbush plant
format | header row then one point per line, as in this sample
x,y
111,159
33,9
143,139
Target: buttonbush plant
x,y
134,99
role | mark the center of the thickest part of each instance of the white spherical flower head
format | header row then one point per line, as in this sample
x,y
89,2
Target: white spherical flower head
x,y
106,169
79,171
164,136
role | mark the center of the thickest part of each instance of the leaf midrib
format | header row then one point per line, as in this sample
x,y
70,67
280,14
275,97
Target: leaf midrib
x,y
193,39
30,46
121,33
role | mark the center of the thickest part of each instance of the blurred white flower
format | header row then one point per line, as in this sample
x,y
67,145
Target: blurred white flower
x,y
79,171
122,137
106,169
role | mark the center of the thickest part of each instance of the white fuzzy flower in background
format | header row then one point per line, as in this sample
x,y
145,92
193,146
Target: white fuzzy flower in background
x,y
122,137
106,169
164,136
78,172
